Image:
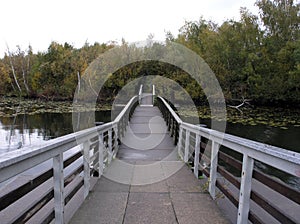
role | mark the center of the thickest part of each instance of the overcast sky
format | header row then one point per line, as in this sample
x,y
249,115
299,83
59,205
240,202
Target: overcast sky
x,y
38,22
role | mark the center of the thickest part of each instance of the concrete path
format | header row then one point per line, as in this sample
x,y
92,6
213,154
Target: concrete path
x,y
147,183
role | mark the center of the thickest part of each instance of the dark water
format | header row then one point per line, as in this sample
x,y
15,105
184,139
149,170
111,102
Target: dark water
x,y
283,138
33,130
276,136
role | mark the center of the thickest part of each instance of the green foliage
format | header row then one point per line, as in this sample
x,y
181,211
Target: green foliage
x,y
52,74
255,57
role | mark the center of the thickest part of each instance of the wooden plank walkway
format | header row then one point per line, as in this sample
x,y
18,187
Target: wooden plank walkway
x,y
157,188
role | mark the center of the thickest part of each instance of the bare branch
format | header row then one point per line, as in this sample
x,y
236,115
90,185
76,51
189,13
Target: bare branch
x,y
13,68
94,91
244,101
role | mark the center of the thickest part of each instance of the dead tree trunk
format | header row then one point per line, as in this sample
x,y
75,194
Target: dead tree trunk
x,y
78,77
24,73
13,69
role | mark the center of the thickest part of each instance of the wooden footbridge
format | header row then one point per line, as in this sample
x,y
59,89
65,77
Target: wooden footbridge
x,y
144,167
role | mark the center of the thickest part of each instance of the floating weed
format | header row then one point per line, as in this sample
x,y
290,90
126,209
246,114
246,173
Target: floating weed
x,y
10,106
273,117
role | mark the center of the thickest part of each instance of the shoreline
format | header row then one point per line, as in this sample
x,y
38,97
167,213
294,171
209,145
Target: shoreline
x,y
11,107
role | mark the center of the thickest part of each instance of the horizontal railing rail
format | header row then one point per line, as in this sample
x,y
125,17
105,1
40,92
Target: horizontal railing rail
x,y
172,119
63,167
284,160
200,147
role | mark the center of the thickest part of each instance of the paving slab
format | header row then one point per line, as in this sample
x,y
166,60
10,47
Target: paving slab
x,y
145,142
102,207
159,187
143,120
146,109
184,181
149,208
191,208
147,99
147,113
146,155
148,128
148,185
106,185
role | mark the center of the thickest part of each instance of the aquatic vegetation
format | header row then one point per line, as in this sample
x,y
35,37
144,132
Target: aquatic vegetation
x,y
9,107
273,117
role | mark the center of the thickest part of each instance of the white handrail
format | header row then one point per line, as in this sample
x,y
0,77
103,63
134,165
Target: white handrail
x,y
15,162
243,145
176,117
125,109
285,160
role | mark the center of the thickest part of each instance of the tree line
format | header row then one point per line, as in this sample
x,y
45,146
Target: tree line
x,y
257,57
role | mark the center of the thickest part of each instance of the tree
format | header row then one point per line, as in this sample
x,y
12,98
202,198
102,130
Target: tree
x,y
5,80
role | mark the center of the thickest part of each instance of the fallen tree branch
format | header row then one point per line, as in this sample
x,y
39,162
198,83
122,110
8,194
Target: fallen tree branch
x,y
243,102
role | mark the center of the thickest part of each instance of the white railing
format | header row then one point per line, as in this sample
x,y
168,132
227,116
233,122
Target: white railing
x,y
153,94
98,146
287,161
284,160
140,94
146,99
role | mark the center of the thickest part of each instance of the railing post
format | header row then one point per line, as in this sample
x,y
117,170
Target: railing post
x,y
58,178
187,146
101,151
197,152
176,133
179,142
140,93
122,126
213,169
86,165
153,94
174,127
171,125
116,146
110,153
169,121
245,189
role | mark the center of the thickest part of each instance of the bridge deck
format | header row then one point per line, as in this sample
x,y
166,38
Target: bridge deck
x,y
153,187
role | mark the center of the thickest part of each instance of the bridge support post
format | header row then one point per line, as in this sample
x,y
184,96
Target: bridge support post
x,y
58,178
213,169
86,165
245,189
196,158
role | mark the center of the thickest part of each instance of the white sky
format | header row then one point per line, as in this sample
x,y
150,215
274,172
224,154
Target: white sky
x,y
38,22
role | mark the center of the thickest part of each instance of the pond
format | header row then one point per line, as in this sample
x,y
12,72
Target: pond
x,y
33,130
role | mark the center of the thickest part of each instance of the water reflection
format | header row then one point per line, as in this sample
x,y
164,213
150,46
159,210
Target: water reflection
x,y
33,130
284,138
